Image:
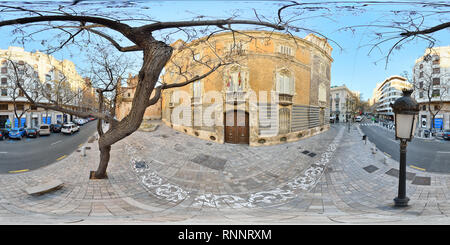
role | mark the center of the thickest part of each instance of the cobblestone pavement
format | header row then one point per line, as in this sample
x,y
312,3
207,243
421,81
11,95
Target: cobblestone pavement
x,y
171,178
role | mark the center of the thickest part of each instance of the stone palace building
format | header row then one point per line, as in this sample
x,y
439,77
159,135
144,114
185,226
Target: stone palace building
x,y
275,89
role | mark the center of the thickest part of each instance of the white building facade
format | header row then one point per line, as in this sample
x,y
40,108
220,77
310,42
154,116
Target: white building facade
x,y
342,102
386,93
431,76
30,68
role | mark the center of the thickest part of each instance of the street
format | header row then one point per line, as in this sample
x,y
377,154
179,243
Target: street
x,y
430,155
33,153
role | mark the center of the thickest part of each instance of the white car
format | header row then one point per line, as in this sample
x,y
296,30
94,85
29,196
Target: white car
x,y
44,129
80,121
69,128
358,119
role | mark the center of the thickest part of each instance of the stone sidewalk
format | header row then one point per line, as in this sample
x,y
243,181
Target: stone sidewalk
x,y
166,177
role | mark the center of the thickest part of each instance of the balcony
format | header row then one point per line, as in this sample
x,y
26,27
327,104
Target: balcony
x,y
285,99
235,97
196,100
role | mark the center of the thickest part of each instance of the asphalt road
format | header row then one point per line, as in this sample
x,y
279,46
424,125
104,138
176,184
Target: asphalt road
x,y
428,155
33,153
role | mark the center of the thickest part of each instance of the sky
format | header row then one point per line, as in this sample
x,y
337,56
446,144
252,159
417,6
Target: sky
x,y
353,63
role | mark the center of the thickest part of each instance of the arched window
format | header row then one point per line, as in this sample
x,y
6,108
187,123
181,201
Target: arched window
x,y
197,91
285,82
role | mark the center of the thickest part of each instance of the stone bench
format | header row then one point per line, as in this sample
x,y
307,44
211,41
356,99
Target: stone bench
x,y
44,187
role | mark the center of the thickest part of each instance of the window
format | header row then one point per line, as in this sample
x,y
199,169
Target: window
x,y
424,108
48,77
20,107
420,94
421,66
285,50
4,70
197,57
421,74
436,70
421,85
322,92
4,92
236,80
436,61
436,81
436,107
197,89
235,47
285,83
3,107
4,81
436,93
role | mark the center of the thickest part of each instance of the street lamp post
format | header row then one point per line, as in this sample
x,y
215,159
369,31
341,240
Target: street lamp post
x,y
406,110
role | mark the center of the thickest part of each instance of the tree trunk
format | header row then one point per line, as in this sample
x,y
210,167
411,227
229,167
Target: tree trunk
x,y
156,55
104,160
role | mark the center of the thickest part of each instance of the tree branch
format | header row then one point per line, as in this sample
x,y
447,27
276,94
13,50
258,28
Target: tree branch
x,y
178,24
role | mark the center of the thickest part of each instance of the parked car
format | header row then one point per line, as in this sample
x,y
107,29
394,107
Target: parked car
x,y
31,132
44,129
55,128
16,133
70,128
446,135
80,121
358,119
4,132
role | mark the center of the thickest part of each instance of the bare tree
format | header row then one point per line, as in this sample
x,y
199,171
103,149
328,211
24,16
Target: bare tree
x,y
20,74
400,22
155,55
107,72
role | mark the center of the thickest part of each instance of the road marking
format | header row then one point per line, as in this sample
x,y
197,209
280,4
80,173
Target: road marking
x,y
60,158
54,143
3,152
387,154
421,169
80,145
19,171
437,152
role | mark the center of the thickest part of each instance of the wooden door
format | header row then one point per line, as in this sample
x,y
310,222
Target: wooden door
x,y
237,127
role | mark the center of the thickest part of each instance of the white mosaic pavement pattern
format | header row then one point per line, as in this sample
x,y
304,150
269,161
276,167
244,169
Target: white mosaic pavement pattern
x,y
167,191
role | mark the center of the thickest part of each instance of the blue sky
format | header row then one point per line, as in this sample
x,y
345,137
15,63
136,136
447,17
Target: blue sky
x,y
352,66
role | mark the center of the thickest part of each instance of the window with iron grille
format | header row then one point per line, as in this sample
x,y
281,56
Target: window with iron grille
x,y
436,81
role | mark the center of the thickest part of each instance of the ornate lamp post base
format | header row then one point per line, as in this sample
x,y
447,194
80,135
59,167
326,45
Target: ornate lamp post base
x,y
401,202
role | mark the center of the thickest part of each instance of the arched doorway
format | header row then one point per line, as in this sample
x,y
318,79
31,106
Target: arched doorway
x,y
237,130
